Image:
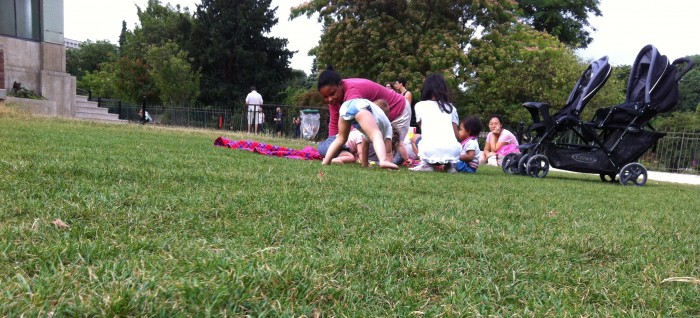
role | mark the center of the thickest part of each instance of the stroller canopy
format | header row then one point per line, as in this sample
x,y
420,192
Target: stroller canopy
x,y
590,82
654,81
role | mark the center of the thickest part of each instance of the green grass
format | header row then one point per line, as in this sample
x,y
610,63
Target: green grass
x,y
162,223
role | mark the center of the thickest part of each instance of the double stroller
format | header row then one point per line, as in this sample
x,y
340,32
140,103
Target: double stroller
x,y
616,137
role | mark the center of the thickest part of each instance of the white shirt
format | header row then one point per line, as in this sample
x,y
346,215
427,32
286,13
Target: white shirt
x,y
438,141
349,109
254,100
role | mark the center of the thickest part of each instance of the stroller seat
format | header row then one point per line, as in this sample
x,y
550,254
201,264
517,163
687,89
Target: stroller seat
x,y
652,89
590,82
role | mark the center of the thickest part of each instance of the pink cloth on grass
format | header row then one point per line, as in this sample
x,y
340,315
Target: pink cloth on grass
x,y
308,153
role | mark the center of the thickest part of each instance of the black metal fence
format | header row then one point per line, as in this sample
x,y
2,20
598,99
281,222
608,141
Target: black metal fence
x,y
234,118
678,152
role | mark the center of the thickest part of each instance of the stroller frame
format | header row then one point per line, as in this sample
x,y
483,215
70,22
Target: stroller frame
x,y
616,137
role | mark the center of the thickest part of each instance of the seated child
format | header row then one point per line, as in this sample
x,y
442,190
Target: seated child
x,y
469,131
371,121
411,144
351,151
145,118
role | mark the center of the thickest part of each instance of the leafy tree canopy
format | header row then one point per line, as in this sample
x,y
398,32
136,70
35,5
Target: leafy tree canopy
x,y
89,57
689,88
566,20
172,74
157,24
384,39
515,64
232,48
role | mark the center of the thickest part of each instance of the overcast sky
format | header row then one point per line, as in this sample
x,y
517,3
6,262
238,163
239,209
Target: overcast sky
x,y
626,26
102,20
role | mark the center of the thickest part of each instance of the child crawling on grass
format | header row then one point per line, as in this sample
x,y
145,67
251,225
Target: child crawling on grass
x,y
355,139
469,131
374,125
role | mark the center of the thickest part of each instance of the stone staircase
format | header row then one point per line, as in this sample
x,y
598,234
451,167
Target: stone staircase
x,y
88,110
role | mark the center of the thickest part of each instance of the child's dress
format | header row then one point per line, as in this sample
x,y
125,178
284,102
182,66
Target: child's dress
x,y
439,144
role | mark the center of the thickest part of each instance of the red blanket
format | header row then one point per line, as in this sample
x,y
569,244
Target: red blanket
x,y
308,153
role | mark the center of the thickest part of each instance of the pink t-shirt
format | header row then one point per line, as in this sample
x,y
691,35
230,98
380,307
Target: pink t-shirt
x,y
507,137
364,88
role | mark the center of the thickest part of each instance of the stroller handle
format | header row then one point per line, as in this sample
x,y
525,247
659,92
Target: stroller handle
x,y
682,71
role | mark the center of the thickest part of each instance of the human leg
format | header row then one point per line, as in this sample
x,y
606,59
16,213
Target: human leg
x,y
344,157
403,122
251,115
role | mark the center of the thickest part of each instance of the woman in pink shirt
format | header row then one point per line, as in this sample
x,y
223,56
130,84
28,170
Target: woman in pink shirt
x,y
499,141
335,91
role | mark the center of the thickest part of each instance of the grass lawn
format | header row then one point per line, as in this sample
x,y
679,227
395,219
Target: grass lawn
x,y
162,223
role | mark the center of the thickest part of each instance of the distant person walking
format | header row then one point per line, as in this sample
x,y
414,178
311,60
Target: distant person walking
x,y
254,101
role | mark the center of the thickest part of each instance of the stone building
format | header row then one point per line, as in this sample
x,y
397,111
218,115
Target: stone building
x,y
32,53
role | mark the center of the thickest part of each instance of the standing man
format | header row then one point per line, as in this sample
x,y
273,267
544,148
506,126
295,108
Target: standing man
x,y
254,101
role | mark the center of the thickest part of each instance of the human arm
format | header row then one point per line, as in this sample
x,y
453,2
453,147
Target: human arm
x,y
363,150
404,154
414,143
467,156
409,97
337,144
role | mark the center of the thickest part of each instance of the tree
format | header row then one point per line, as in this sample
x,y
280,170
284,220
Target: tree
x,y
233,51
382,40
101,83
689,88
172,74
89,57
133,81
566,20
514,64
159,24
122,39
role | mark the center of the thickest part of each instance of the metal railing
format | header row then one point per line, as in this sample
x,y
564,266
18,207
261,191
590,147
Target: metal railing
x,y
678,152
235,118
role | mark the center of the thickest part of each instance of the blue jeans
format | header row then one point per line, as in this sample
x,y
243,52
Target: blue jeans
x,y
462,166
324,145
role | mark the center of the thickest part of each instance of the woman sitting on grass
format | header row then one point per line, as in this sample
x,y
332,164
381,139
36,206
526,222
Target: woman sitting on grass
x,y
371,121
499,141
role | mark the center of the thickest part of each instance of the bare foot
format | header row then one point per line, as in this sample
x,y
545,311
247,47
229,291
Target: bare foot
x,y
388,165
337,160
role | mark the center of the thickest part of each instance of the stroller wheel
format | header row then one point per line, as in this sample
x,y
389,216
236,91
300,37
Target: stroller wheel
x,y
510,163
608,177
522,164
634,173
538,166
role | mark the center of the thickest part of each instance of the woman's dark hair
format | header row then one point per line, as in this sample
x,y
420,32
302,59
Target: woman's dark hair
x,y
401,80
435,88
328,77
497,116
473,125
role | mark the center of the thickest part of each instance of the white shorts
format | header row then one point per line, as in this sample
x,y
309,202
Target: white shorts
x,y
403,122
252,116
